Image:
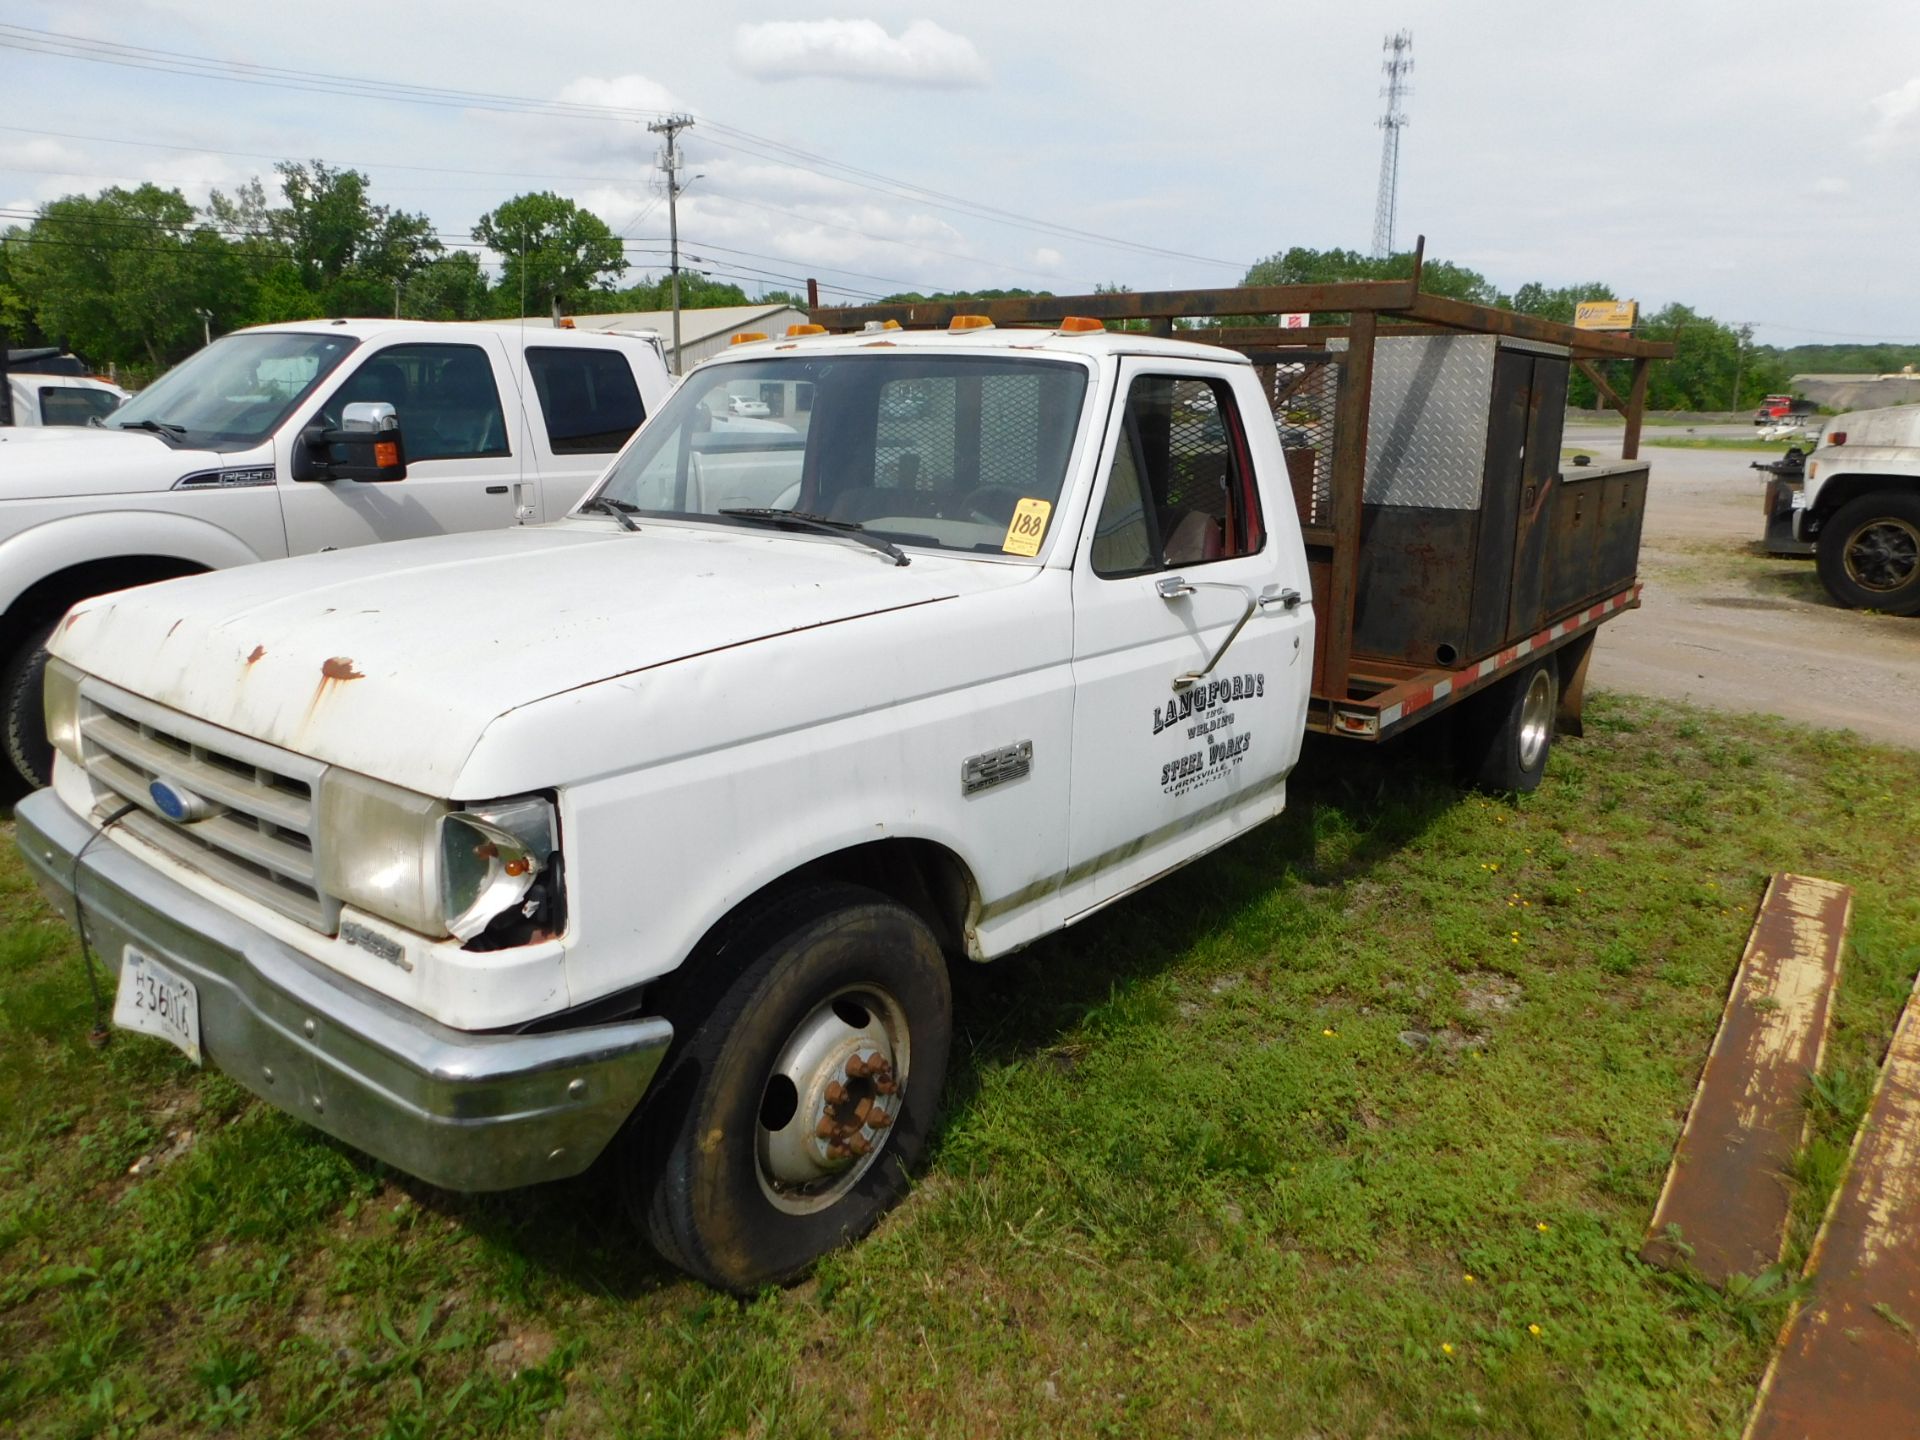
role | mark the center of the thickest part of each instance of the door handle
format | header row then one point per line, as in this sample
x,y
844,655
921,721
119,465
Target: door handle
x,y
496,489
1175,587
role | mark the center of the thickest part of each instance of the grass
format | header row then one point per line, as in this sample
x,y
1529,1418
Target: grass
x,y
1307,1140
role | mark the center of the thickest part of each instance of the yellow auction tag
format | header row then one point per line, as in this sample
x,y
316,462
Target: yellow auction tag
x,y
1028,528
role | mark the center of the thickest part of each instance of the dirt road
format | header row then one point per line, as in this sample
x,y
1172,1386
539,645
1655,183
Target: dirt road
x,y
1727,626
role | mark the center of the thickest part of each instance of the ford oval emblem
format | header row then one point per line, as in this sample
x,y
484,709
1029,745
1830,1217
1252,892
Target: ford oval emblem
x,y
178,803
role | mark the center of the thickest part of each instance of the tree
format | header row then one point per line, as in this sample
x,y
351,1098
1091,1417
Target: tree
x,y
697,292
122,276
552,252
346,251
1302,266
451,288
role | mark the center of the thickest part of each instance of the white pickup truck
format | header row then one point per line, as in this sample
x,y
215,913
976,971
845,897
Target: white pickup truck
x,y
217,463
1860,508
51,399
474,851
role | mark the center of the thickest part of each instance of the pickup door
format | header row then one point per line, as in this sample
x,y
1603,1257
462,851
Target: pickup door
x,y
589,404
464,451
1178,551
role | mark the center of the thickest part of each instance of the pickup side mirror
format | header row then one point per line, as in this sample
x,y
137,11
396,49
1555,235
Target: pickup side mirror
x,y
367,447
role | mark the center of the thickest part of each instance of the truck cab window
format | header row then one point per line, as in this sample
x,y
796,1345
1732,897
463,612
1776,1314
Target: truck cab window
x,y
589,398
1181,490
71,405
448,403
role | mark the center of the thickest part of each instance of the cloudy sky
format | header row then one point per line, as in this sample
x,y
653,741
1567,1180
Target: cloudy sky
x,y
1757,160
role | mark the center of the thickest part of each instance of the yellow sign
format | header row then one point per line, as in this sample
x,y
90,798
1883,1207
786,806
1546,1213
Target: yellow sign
x,y
1605,314
1028,528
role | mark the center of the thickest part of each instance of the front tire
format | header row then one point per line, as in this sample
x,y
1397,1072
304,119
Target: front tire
x,y
23,722
810,1053
1869,553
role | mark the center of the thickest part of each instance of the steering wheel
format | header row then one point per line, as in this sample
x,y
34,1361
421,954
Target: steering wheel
x,y
991,504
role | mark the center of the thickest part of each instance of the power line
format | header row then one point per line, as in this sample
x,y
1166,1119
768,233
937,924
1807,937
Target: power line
x,y
762,147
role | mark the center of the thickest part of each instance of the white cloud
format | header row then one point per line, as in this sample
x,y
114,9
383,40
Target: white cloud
x,y
618,92
1048,258
1831,185
922,54
1897,115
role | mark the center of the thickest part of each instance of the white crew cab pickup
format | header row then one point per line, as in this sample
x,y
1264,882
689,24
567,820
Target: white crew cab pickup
x,y
1860,506
218,463
478,851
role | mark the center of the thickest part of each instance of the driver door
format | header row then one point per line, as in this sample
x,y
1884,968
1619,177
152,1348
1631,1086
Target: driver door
x,y
1178,572
463,472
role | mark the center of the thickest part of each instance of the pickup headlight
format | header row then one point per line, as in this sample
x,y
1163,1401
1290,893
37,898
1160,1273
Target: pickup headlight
x,y
424,863
62,702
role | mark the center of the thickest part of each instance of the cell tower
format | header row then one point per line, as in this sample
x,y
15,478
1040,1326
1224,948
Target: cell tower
x,y
1398,49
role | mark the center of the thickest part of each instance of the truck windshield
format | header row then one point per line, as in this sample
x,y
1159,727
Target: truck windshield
x,y
236,391
947,452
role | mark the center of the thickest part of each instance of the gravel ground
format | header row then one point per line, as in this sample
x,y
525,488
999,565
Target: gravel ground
x,y
1725,625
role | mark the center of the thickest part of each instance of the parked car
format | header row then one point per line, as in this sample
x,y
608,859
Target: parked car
x,y
1860,508
664,821
62,399
748,408
218,463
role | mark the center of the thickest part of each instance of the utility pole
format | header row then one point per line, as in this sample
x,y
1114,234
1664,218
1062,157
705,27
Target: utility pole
x,y
1398,49
671,127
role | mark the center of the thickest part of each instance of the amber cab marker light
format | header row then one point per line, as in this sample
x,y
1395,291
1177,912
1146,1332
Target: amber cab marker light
x,y
1081,325
970,322
1838,437
793,330
747,337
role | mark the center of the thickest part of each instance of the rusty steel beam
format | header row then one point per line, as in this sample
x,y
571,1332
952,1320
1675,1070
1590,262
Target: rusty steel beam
x,y
1849,1360
1342,297
1349,478
1723,1209
1486,320
1607,392
1636,411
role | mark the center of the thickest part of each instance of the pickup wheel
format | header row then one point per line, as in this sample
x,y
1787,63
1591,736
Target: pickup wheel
x,y
1869,553
810,1054
1507,736
24,721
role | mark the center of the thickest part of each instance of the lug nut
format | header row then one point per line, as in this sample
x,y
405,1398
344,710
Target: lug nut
x,y
825,1128
836,1093
863,1109
859,1145
856,1067
885,1086
879,1119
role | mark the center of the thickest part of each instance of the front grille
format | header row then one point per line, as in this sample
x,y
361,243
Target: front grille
x,y
261,843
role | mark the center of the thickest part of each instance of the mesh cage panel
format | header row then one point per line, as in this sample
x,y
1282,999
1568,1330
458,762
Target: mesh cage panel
x,y
1197,450
1305,395
930,437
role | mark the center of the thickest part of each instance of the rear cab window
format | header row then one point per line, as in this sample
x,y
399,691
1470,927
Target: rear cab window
x,y
589,398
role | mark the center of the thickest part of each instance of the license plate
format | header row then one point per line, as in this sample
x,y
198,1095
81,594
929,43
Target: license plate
x,y
155,1001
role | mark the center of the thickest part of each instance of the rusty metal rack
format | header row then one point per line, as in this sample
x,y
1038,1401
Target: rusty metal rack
x,y
1437,569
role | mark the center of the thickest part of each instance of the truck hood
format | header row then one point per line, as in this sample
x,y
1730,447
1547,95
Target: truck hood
x,y
42,462
393,659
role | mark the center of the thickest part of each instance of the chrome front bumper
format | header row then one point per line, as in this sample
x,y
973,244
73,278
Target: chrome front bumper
x,y
461,1110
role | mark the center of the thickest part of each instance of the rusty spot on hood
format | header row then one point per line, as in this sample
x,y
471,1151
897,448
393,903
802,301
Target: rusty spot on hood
x,y
258,651
339,668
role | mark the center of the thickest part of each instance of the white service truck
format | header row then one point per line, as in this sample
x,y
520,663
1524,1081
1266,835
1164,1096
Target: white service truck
x,y
220,462
663,821
52,399
1860,509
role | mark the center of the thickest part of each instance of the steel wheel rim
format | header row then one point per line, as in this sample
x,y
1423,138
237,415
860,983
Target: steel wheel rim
x,y
831,1098
1536,719
1883,554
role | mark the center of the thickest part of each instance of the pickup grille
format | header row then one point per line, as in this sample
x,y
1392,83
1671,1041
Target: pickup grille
x,y
261,842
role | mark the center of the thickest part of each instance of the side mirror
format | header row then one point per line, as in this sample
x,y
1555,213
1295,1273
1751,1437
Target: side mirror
x,y
367,447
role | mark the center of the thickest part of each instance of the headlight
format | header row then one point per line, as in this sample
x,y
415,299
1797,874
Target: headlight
x,y
62,700
380,849
424,864
489,859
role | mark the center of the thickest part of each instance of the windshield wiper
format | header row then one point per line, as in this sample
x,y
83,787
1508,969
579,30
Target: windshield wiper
x,y
818,525
607,505
158,427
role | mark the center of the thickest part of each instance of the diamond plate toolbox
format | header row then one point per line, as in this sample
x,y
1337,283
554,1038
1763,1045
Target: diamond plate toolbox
x,y
1427,443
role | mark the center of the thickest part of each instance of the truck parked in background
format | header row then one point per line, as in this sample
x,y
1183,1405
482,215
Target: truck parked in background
x,y
46,386
218,463
664,822
1860,508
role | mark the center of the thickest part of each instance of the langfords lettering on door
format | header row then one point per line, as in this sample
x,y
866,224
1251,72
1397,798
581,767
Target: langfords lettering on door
x,y
1221,748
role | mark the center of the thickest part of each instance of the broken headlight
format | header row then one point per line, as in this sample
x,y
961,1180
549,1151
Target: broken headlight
x,y
492,858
